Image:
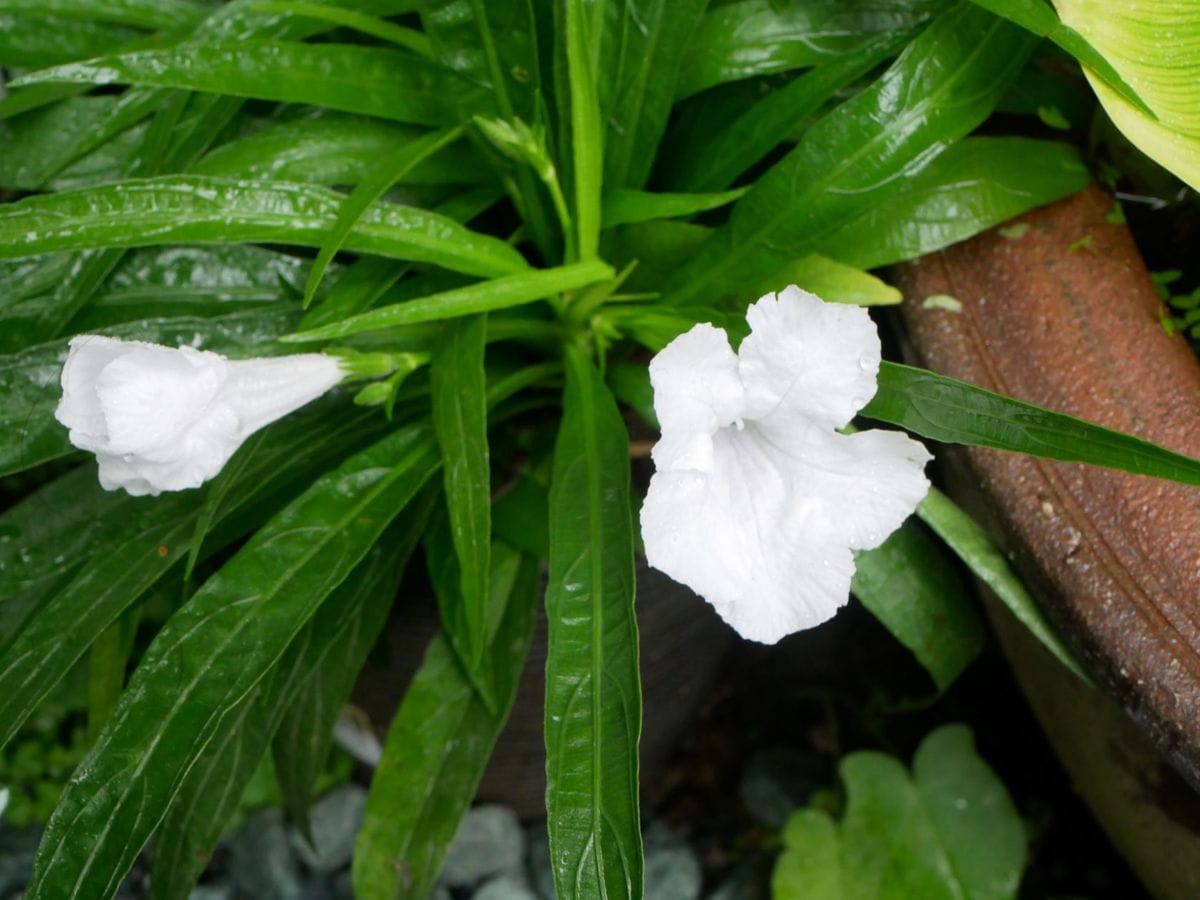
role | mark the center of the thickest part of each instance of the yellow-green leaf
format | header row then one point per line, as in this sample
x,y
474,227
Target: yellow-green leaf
x,y
1156,49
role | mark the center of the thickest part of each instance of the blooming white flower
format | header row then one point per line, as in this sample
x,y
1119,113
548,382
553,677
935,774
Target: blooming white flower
x,y
166,419
757,501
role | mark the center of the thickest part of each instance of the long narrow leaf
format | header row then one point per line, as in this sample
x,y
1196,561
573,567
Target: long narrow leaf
x,y
989,564
709,158
978,183
642,49
955,412
371,81
214,786
500,293
193,209
593,693
211,654
757,37
586,132
623,207
458,386
382,176
336,149
435,753
148,14
301,744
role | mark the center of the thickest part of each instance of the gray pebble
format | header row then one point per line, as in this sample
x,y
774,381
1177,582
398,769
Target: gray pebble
x,y
336,819
262,864
489,842
17,849
672,868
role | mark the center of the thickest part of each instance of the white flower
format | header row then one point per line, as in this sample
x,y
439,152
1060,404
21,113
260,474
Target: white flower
x,y
164,419
757,502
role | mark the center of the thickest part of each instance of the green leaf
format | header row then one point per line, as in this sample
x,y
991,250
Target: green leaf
x,y
708,158
624,206
326,654
302,742
60,136
347,18
377,182
45,538
910,586
194,209
978,183
162,282
29,435
955,412
26,99
373,81
986,561
943,85
435,753
757,37
362,284
457,381
1155,47
947,832
642,49
88,270
499,293
1039,18
39,40
493,47
593,693
586,133
147,14
136,543
336,149
211,653
832,281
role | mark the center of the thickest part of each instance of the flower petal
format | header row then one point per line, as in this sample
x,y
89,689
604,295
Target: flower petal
x,y
79,409
752,538
696,391
152,395
263,390
807,361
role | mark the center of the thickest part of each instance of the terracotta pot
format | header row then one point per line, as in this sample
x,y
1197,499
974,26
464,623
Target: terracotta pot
x,y
1057,308
682,644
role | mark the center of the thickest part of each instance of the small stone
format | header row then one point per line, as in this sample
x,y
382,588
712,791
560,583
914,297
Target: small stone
x,y
489,842
262,864
506,887
336,819
778,780
17,849
672,868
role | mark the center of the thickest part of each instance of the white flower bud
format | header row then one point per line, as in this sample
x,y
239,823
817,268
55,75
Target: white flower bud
x,y
167,419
